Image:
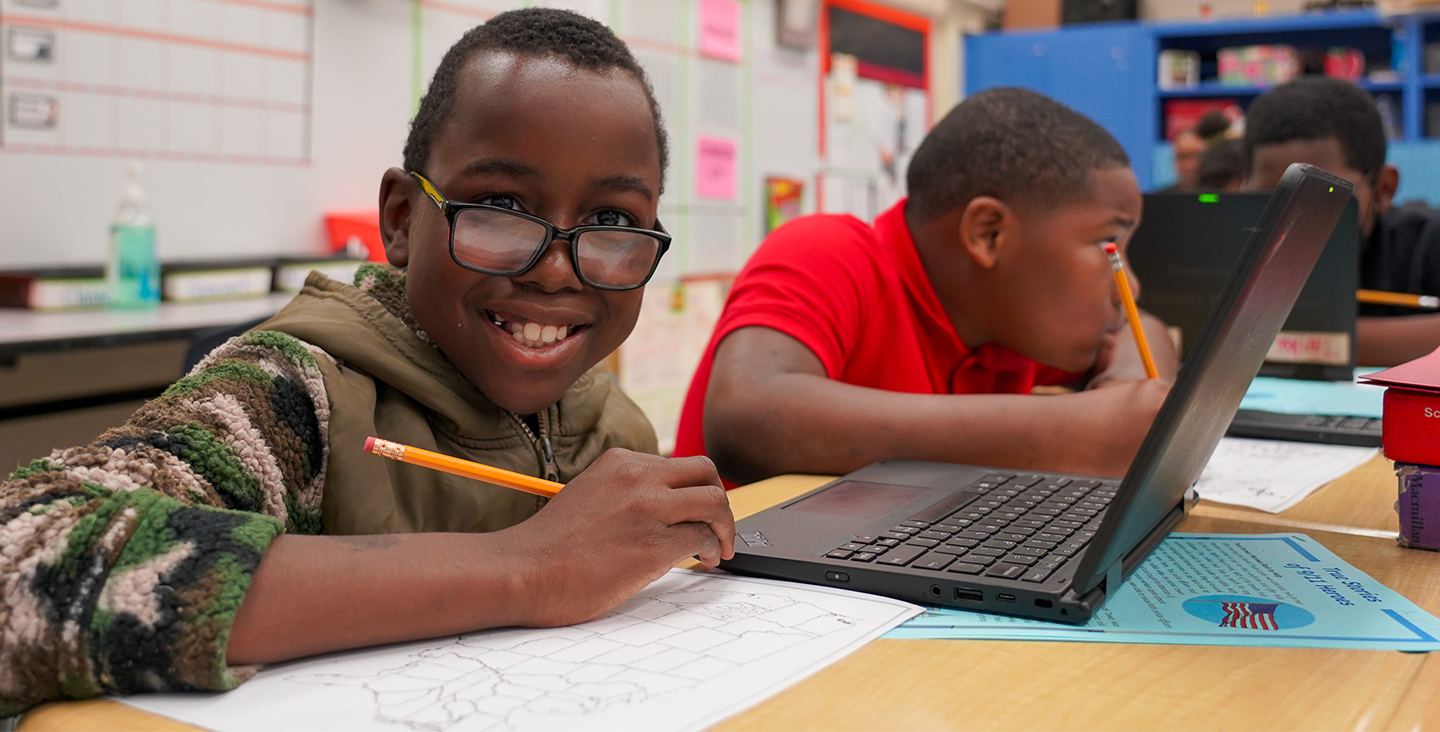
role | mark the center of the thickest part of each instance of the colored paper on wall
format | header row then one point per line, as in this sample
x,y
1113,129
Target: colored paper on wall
x,y
715,167
782,200
720,29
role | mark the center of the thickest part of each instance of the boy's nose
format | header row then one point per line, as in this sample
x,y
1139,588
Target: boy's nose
x,y
554,272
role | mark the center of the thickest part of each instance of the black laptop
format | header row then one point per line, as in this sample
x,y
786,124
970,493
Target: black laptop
x,y
1184,249
1046,545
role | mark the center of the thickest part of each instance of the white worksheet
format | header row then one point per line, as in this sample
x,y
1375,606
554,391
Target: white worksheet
x,y
1273,475
686,652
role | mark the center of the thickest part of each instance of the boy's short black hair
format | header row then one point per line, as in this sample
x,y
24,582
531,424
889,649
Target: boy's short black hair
x,y
1314,108
1014,144
580,41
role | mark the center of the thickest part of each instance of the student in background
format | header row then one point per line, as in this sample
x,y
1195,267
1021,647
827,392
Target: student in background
x,y
1188,148
1191,145
1222,167
922,336
1334,125
181,550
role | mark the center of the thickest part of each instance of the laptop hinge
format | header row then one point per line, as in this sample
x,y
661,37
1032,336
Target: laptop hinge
x,y
1113,578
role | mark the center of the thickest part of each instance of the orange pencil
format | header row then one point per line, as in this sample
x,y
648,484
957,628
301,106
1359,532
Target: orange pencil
x,y
1131,312
465,468
1403,299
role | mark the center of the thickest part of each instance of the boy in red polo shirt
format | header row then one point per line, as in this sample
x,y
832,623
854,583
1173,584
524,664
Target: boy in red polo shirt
x,y
922,336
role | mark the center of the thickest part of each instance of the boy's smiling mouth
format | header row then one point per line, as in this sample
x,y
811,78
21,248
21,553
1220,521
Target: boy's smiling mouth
x,y
531,333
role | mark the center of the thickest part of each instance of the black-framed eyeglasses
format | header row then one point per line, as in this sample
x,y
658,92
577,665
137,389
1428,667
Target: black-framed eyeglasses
x,y
505,243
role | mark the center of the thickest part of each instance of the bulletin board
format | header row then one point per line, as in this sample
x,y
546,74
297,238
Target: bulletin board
x,y
875,104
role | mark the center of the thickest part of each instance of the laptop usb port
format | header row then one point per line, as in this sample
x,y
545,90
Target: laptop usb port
x,y
1005,597
969,595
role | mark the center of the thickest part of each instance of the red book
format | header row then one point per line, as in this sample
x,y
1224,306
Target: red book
x,y
1411,421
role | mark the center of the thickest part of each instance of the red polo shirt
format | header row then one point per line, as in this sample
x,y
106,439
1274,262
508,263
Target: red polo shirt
x,y
858,297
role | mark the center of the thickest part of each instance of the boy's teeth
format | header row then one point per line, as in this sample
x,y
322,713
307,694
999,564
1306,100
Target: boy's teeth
x,y
536,335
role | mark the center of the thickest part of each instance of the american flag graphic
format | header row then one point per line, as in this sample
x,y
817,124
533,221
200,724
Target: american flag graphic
x,y
1252,615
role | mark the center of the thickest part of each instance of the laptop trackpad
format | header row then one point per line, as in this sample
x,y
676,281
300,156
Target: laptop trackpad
x,y
858,499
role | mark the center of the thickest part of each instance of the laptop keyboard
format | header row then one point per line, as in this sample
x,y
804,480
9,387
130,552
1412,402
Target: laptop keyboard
x,y
1344,423
1020,526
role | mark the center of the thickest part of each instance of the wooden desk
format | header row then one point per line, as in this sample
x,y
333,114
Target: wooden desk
x,y
920,684
1361,502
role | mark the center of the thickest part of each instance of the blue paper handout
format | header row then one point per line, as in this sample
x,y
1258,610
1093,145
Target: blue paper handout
x,y
1283,590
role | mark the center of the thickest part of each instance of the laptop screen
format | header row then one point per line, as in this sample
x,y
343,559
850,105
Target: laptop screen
x,y
1186,246
1267,277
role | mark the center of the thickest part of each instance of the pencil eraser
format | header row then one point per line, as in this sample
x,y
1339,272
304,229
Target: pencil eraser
x,y
1110,247
369,444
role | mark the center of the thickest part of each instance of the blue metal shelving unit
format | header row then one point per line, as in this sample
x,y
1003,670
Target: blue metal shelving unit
x,y
1107,71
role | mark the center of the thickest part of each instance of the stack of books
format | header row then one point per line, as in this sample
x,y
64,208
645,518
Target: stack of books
x,y
1411,437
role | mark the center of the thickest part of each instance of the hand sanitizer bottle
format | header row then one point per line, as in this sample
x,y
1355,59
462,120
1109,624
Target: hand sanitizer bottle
x,y
133,269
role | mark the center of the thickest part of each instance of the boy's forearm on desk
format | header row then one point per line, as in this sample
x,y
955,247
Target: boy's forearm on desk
x,y
808,424
316,594
770,409
1395,340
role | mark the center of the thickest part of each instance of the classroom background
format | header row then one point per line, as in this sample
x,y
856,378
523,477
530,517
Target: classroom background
x,y
263,125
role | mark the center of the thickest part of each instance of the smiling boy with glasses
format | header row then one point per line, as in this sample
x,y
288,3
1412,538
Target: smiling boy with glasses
x,y
236,520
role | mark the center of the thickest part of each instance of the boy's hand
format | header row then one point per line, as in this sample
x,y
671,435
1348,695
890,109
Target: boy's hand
x,y
1124,417
616,528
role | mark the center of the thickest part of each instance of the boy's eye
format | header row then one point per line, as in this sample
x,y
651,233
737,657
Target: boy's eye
x,y
611,217
501,200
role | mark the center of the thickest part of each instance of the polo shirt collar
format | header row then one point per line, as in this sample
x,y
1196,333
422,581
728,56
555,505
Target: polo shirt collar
x,y
895,233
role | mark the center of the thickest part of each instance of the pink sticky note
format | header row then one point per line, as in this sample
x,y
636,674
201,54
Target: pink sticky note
x,y
720,29
715,167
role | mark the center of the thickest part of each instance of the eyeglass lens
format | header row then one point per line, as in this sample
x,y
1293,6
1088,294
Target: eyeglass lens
x,y
499,242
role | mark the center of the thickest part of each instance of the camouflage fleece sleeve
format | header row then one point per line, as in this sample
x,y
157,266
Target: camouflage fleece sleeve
x,y
122,563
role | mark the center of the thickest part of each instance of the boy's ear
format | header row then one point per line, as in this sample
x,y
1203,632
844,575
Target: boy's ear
x,y
1387,181
396,189
985,226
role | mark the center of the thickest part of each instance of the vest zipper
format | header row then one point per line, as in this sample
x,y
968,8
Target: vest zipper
x,y
547,455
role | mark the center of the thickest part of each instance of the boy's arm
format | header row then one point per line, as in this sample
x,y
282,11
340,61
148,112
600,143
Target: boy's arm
x,y
153,560
125,559
1119,359
615,528
770,409
1395,340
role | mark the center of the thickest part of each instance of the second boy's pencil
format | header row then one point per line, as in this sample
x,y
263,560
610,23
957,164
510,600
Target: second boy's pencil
x,y
1133,313
465,468
1403,299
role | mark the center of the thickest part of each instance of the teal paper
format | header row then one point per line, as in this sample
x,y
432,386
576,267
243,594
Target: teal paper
x,y
1200,589
1302,396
